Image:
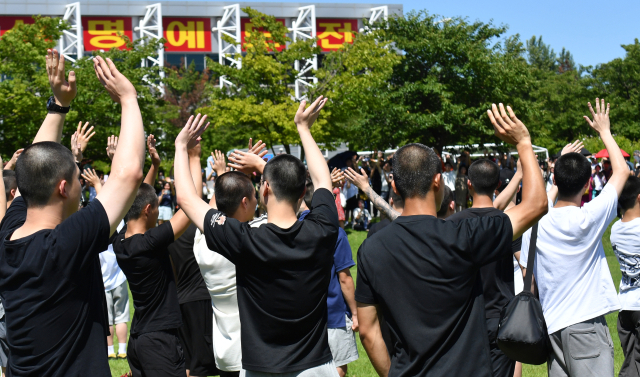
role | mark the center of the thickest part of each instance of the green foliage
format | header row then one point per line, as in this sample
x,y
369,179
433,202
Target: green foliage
x,y
541,55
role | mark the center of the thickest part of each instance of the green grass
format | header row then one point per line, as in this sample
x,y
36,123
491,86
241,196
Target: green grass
x,y
362,367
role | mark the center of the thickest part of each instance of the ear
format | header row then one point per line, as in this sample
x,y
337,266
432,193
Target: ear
x,y
63,189
437,182
13,193
391,201
245,202
147,209
469,185
393,186
452,205
303,193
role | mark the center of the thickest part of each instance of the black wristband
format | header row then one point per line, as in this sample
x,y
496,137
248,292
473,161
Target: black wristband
x,y
52,106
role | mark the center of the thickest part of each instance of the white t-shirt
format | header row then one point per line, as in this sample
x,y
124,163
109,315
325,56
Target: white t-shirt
x,y
598,182
450,179
625,240
220,277
112,275
571,270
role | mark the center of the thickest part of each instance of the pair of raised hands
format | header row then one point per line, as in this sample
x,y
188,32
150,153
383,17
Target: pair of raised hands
x,y
246,162
112,144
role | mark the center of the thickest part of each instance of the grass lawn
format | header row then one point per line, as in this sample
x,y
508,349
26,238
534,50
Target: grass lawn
x,y
362,367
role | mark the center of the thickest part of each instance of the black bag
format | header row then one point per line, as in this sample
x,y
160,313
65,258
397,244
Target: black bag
x,y
522,331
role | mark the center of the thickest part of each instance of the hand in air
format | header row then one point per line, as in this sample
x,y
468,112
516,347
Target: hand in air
x,y
11,165
119,87
337,177
153,152
64,91
91,177
574,147
508,128
246,162
190,134
305,117
219,165
76,148
112,144
258,149
600,120
360,180
84,135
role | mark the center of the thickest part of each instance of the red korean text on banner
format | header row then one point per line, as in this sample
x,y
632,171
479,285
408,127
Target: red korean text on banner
x,y
103,33
7,22
187,34
334,32
246,28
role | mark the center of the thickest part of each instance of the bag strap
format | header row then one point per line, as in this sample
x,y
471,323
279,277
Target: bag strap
x,y
531,259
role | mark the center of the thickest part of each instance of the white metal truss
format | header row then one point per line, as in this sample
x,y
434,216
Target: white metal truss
x,y
229,25
304,28
71,41
377,13
150,26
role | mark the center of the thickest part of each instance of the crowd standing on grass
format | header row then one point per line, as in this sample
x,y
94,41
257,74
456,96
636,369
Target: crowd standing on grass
x,y
243,268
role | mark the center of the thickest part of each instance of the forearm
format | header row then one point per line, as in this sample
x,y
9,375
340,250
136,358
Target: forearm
x,y
98,187
129,158
152,174
196,173
51,128
506,196
349,293
318,168
381,204
188,198
373,344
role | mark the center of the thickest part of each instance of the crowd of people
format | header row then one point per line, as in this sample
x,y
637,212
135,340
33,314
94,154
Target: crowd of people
x,y
243,269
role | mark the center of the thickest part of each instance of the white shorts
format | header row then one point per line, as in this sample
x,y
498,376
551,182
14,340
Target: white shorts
x,y
165,213
118,304
342,342
324,370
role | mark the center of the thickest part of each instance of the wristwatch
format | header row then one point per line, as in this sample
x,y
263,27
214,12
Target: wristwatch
x,y
52,106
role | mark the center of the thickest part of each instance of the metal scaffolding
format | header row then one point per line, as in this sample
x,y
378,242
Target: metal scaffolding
x,y
229,25
304,28
71,42
151,27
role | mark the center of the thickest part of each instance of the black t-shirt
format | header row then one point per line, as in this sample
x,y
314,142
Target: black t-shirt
x,y
378,227
53,295
190,284
144,259
421,272
497,276
283,278
376,181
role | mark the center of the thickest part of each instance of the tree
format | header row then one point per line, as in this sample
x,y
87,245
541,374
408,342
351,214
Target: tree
x,y
540,55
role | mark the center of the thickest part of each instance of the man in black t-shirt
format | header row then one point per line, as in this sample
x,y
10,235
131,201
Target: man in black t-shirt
x,y
283,267
420,272
50,279
141,249
496,276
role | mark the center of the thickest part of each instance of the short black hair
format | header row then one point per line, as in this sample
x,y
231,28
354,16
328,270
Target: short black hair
x,y
40,168
414,166
629,194
484,175
286,175
572,172
397,199
308,195
10,183
229,190
446,200
146,195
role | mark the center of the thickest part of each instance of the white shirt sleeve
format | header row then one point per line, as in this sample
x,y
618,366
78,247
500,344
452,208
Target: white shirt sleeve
x,y
603,209
524,248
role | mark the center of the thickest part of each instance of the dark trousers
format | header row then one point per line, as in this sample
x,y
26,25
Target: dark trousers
x,y
196,337
156,354
501,365
628,330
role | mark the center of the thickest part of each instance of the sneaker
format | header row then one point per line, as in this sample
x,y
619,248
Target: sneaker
x,y
112,356
122,356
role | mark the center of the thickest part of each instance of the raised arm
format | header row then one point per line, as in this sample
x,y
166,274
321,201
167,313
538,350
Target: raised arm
x,y
190,202
155,161
92,178
180,222
118,193
318,169
11,165
602,125
534,197
507,195
63,92
361,181
574,147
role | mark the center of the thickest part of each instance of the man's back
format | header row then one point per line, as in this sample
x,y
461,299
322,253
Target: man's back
x,y
53,294
283,277
423,273
572,275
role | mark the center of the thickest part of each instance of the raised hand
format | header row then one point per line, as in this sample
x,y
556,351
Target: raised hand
x,y
112,144
64,91
360,180
91,177
84,135
119,87
246,162
153,152
508,128
574,147
337,177
305,117
600,120
190,134
258,149
11,165
76,148
219,166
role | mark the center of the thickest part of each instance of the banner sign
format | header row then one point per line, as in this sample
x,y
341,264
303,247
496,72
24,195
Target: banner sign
x,y
334,32
246,28
187,34
101,33
7,22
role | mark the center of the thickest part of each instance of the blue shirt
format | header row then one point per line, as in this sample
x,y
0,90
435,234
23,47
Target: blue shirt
x,y
342,259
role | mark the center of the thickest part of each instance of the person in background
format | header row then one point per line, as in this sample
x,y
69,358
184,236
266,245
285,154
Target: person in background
x,y
361,217
390,211
629,164
376,177
588,192
448,206
461,191
599,180
606,168
449,176
625,240
165,201
385,179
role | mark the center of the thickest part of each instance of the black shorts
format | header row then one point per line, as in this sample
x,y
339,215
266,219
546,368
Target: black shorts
x,y
501,364
196,336
156,354
352,203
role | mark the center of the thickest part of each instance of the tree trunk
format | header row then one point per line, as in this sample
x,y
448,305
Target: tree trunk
x,y
287,148
301,153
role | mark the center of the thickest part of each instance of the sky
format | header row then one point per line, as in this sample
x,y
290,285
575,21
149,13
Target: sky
x,y
591,30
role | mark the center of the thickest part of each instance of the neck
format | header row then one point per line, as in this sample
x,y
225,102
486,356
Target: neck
x,y
482,201
9,203
281,214
569,202
38,219
137,226
420,206
631,214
